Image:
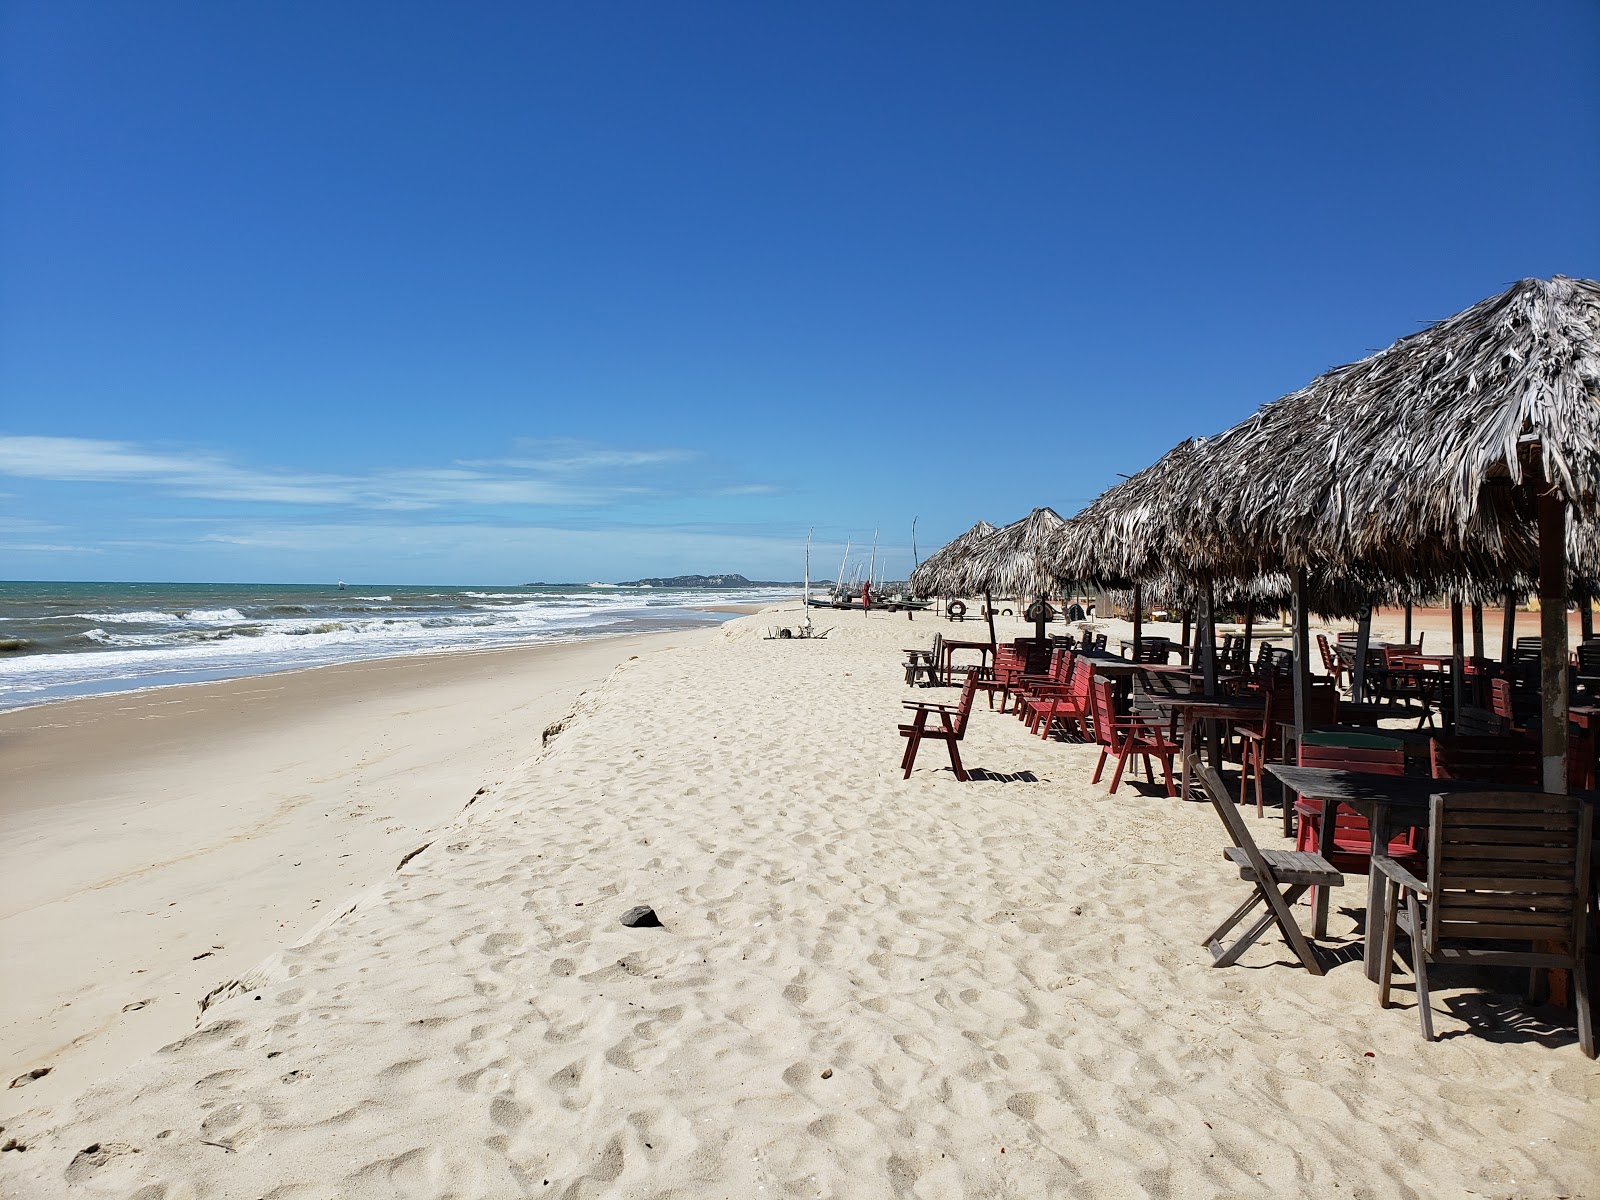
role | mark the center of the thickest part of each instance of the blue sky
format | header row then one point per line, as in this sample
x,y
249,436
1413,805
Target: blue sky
x,y
499,292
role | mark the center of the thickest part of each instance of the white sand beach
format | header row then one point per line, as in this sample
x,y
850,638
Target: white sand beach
x,y
862,986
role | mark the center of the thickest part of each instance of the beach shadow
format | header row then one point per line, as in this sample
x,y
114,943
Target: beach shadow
x,y
1500,1017
983,774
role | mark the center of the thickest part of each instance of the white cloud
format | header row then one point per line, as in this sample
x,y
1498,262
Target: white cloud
x,y
564,474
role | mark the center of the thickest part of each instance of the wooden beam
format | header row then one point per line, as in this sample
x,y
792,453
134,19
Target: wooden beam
x,y
1138,618
1553,637
1358,678
1458,668
1208,658
1302,655
1508,636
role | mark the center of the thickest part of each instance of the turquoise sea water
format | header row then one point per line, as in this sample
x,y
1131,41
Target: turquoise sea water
x,y
60,640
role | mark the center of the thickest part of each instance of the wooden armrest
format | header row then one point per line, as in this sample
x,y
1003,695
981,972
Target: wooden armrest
x,y
916,704
1382,862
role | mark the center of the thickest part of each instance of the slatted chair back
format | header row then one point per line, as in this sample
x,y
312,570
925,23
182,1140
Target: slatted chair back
x,y
1350,826
1371,760
1097,643
1153,650
1322,704
1504,760
1502,701
964,706
1221,800
1473,721
1582,763
1009,663
1508,866
1263,655
1392,654
1275,669
1330,662
1103,704
1589,658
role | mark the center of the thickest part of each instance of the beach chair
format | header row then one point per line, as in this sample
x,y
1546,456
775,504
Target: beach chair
x,y
1279,878
1009,665
1073,706
951,729
1512,761
1330,661
1127,736
1504,867
1352,839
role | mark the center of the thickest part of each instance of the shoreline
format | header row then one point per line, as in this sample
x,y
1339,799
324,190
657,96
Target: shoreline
x,y
165,841
204,677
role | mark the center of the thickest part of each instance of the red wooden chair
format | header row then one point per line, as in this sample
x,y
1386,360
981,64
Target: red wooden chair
x,y
952,727
1352,839
1073,706
1261,743
1330,661
1128,736
1055,678
1503,760
1009,665
1500,700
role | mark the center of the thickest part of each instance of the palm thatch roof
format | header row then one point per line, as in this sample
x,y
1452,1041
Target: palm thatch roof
x,y
939,574
1404,471
1421,460
1018,560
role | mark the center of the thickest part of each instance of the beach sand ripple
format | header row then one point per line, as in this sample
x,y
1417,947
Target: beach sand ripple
x,y
862,986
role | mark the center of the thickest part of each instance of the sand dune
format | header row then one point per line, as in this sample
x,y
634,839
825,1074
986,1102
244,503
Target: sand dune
x,y
863,986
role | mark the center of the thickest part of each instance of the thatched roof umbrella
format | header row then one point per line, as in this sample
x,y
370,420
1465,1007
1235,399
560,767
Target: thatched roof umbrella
x,y
943,572
1468,449
939,573
1018,559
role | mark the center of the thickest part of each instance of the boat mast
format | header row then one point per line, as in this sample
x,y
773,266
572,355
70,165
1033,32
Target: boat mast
x,y
839,585
805,599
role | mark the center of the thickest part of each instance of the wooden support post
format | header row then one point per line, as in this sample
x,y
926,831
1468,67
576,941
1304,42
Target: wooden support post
x,y
1208,662
1249,630
1302,655
1406,637
1477,631
1358,678
1586,620
988,608
1508,636
1187,644
1206,635
1458,650
1553,637
1138,618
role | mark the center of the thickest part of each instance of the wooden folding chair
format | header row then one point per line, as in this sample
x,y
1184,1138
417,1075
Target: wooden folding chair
x,y
1506,870
1279,877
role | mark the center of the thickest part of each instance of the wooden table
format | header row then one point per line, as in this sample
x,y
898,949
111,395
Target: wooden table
x,y
1388,802
947,650
1414,743
1197,710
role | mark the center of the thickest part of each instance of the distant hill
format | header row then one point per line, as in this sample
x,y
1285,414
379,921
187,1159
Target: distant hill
x,y
708,581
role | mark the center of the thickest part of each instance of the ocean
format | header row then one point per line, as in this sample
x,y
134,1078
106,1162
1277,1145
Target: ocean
x,y
63,640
